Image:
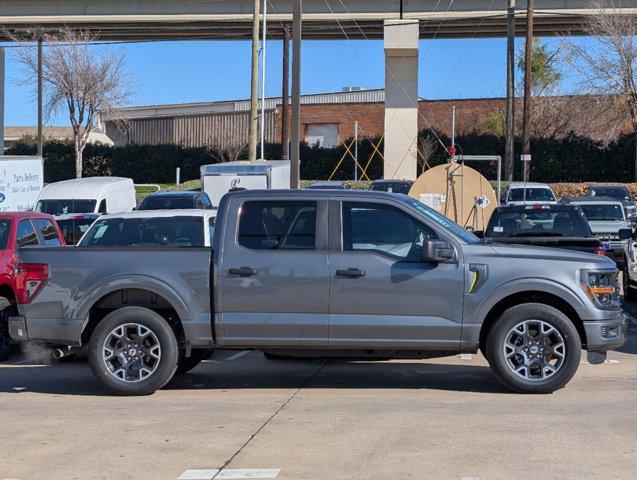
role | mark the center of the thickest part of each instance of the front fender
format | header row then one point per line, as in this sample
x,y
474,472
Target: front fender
x,y
479,304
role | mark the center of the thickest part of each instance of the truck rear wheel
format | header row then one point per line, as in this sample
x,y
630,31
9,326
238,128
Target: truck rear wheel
x,y
133,351
7,345
533,348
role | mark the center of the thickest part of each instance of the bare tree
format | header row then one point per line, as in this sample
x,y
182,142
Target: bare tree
x,y
77,78
426,149
607,70
227,147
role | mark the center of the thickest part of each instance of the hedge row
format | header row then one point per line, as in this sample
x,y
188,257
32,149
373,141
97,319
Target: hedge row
x,y
572,159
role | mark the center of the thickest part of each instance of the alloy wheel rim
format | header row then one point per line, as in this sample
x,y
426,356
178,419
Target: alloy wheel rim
x,y
534,350
131,352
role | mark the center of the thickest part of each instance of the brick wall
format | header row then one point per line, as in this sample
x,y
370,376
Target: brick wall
x,y
371,116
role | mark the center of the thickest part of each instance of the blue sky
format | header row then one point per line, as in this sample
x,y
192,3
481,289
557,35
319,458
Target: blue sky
x,y
176,72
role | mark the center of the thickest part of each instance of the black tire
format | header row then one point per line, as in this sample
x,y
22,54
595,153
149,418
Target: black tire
x,y
533,312
629,292
196,357
164,337
7,345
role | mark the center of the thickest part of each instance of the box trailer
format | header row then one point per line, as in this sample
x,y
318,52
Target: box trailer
x,y
21,181
219,179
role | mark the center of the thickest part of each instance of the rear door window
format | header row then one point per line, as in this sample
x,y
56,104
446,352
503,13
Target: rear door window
x,y
48,231
26,234
278,225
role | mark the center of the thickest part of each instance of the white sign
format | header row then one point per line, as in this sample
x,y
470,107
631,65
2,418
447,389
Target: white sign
x,y
526,157
483,201
433,200
21,181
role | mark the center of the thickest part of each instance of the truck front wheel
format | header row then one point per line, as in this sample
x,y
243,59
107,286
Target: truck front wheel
x,y
133,351
533,348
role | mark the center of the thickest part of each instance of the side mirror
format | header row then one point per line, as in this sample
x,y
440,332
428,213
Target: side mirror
x,y
625,233
478,233
436,251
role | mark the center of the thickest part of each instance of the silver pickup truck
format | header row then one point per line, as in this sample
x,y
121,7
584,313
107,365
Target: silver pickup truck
x,y
319,273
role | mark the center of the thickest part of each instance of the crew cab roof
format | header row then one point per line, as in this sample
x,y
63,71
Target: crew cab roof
x,y
311,194
597,200
528,185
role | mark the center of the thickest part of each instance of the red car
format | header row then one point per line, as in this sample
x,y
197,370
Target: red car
x,y
18,229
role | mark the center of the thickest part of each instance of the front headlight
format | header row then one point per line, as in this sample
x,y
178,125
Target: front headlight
x,y
601,287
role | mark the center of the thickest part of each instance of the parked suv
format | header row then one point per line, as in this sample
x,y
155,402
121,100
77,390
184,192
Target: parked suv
x,y
519,193
17,230
392,186
176,200
618,192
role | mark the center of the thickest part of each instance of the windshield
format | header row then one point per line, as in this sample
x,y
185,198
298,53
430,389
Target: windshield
x,y
565,223
394,187
146,232
619,193
73,228
5,230
167,202
62,207
601,212
445,222
541,194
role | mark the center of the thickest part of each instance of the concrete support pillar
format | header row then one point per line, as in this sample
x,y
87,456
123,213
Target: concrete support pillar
x,y
401,98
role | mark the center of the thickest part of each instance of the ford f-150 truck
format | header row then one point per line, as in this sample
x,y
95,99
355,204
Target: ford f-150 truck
x,y
332,272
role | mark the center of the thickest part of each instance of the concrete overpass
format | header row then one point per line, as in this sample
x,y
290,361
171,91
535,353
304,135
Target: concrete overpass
x,y
400,23
322,19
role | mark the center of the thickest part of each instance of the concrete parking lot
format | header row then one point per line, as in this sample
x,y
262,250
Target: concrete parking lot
x,y
242,416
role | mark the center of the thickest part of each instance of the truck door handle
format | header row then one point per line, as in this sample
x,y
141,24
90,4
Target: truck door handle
x,y
351,272
243,271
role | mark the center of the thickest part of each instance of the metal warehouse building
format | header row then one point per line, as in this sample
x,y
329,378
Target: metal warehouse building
x,y
326,118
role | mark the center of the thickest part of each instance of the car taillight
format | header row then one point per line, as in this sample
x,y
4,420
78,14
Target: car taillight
x,y
600,250
30,279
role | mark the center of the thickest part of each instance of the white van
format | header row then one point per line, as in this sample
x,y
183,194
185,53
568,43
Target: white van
x,y
88,195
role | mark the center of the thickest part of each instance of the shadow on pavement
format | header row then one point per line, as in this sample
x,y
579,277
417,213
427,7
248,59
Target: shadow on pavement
x,y
76,379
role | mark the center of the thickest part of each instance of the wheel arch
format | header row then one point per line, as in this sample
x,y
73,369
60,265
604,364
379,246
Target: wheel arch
x,y
156,297
530,296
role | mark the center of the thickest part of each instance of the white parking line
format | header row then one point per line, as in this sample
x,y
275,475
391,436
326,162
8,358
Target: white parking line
x,y
605,361
237,356
249,473
198,474
231,474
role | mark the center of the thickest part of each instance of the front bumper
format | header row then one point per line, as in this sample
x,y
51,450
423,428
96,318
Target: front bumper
x,y
606,334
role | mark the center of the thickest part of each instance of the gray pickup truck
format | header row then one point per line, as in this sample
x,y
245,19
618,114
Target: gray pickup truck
x,y
345,273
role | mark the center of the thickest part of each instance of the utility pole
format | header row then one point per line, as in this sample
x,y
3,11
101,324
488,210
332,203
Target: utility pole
x,y
254,87
40,136
285,96
528,83
356,150
509,130
295,154
265,31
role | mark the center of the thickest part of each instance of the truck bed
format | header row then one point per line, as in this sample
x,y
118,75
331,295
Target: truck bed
x,y
82,279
